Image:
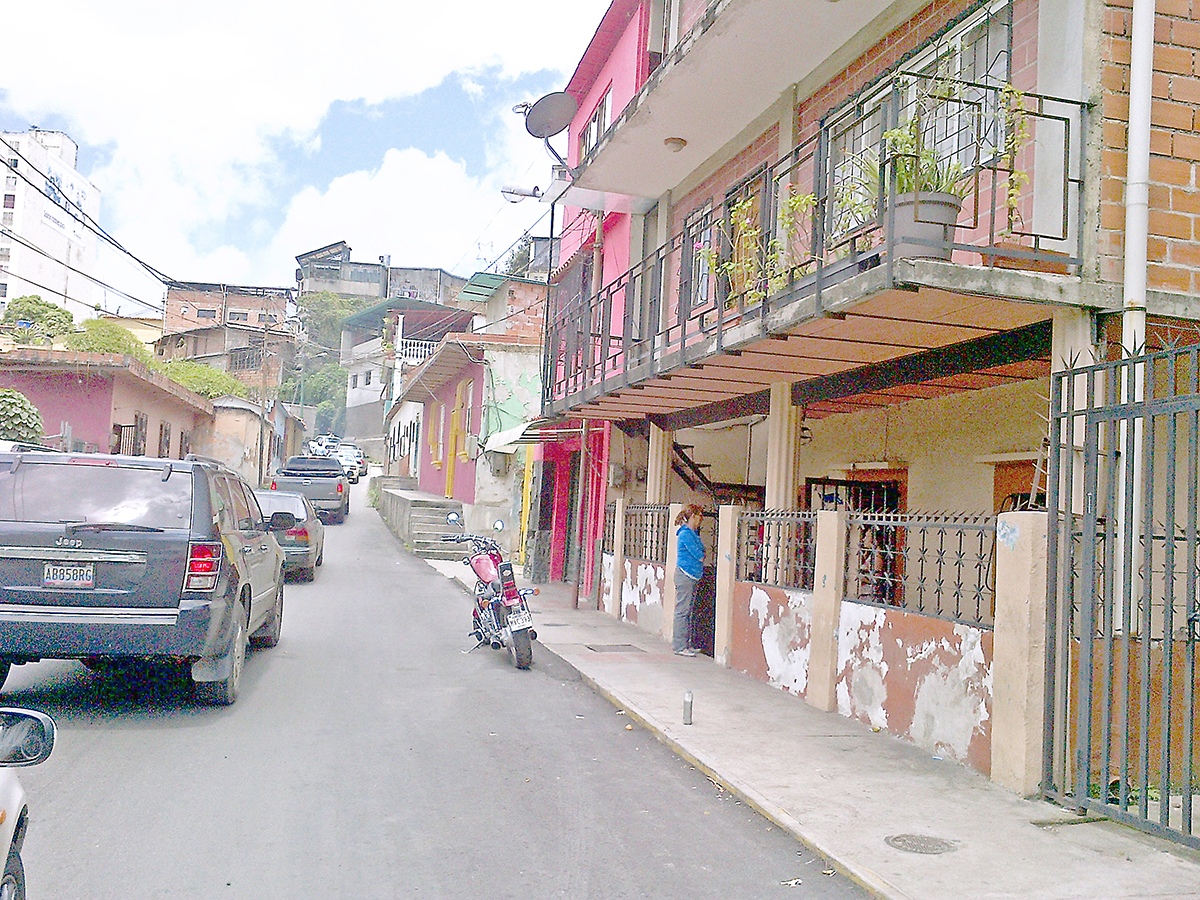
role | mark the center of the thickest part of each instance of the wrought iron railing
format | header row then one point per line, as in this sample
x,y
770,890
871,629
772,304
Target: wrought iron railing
x,y
939,564
608,542
777,547
827,211
647,530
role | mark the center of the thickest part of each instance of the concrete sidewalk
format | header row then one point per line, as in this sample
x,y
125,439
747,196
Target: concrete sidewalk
x,y
843,790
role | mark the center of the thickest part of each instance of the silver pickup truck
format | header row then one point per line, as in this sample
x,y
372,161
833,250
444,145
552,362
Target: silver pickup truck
x,y
320,479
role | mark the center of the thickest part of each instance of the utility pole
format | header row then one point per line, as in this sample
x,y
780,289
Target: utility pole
x,y
262,416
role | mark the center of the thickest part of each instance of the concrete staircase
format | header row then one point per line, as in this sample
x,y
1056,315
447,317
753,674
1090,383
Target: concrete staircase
x,y
426,525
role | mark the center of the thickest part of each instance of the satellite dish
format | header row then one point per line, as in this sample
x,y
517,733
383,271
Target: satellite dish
x,y
551,114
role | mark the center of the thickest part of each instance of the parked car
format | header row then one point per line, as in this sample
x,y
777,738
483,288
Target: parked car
x,y
26,739
320,479
110,558
304,543
358,455
349,459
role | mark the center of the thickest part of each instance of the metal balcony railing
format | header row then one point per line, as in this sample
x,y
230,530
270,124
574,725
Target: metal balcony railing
x,y
415,352
831,208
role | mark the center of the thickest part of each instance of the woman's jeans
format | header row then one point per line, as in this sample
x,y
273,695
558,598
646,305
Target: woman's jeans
x,y
685,591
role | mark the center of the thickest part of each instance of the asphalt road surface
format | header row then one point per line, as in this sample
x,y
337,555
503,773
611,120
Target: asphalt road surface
x,y
369,757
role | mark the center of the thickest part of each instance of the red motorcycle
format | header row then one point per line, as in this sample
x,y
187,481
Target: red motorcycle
x,y
501,617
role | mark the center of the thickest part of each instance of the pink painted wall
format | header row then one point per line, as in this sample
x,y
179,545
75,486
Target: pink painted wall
x,y
132,396
85,400
431,478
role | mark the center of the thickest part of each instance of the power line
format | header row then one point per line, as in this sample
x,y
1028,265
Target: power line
x,y
86,220
91,278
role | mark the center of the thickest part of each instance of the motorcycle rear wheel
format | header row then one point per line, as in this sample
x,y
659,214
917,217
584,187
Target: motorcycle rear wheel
x,y
520,648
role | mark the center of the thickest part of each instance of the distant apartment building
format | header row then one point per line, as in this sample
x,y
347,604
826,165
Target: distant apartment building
x,y
244,331
47,247
416,308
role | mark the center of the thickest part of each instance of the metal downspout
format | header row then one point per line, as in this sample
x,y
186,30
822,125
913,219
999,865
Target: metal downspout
x,y
1137,179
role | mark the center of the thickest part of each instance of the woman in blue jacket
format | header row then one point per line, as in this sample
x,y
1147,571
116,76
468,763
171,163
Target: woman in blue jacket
x,y
689,568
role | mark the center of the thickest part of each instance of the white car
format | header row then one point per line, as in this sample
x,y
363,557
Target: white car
x,y
26,739
347,455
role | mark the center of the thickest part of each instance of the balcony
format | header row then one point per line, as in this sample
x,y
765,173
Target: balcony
x,y
413,352
730,38
815,266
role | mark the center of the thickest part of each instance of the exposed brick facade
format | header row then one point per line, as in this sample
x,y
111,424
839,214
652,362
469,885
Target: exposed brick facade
x,y
1174,144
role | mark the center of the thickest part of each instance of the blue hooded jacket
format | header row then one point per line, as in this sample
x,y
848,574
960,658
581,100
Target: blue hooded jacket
x,y
691,551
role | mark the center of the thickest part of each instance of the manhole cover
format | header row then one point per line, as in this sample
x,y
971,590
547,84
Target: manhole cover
x,y
615,648
919,843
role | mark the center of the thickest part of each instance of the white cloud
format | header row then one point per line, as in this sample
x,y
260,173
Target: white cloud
x,y
190,101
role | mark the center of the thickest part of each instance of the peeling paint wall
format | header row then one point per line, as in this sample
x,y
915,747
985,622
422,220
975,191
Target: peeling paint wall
x,y
771,632
642,594
926,679
606,584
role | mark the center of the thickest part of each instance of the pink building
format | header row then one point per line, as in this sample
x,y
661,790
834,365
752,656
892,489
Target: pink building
x,y
101,402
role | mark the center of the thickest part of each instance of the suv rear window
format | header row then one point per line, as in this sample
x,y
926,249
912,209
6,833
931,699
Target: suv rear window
x,y
312,464
272,502
87,492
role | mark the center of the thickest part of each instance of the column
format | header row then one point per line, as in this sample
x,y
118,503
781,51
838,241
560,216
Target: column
x,y
1019,652
783,444
727,536
658,468
618,586
668,622
828,588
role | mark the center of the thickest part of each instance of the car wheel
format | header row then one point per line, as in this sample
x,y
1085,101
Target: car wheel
x,y
12,885
321,556
268,633
225,691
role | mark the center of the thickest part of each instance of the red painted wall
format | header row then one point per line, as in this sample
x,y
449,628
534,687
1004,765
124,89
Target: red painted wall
x,y
85,400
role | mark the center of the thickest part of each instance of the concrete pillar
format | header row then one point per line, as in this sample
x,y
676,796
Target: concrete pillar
x,y
659,467
1019,652
668,622
829,584
618,586
783,444
727,535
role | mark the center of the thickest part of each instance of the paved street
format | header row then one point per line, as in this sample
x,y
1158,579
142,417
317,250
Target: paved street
x,y
369,757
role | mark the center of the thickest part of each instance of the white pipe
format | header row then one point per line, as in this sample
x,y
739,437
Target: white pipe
x,y
1137,178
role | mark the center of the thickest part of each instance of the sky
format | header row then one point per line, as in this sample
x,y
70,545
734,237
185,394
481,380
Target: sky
x,y
227,138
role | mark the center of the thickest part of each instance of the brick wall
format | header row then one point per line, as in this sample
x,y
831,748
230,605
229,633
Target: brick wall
x,y
1174,253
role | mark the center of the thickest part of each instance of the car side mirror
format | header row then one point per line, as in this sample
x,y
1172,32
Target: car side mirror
x,y
498,526
26,737
453,518
281,521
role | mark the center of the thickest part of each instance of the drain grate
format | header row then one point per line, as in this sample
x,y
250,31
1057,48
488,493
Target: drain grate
x,y
919,843
614,648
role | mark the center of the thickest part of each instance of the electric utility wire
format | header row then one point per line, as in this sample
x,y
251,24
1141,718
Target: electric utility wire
x,y
70,268
86,220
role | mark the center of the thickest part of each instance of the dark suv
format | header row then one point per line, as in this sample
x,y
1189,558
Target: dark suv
x,y
109,558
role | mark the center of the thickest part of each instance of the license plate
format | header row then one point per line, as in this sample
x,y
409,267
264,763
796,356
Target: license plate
x,y
519,620
60,575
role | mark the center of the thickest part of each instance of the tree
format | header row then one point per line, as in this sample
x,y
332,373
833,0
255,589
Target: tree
x,y
203,380
51,319
106,336
19,419
518,260
323,313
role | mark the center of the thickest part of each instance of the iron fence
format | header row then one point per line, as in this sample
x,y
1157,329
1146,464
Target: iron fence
x,y
1123,591
646,532
777,547
828,210
936,564
608,544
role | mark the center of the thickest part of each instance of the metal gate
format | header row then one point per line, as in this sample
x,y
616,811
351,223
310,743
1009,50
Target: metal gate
x,y
1122,591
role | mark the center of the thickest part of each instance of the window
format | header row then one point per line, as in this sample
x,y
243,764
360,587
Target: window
x,y
10,201
266,317
238,317
185,443
242,359
164,439
206,314
694,273
367,377
353,381
3,289
12,163
10,181
596,126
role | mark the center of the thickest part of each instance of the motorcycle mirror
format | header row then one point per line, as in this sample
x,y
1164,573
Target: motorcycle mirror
x,y
498,526
26,737
453,518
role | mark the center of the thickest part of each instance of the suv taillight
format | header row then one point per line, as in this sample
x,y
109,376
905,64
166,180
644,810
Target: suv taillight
x,y
204,563
341,487
274,485
300,533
